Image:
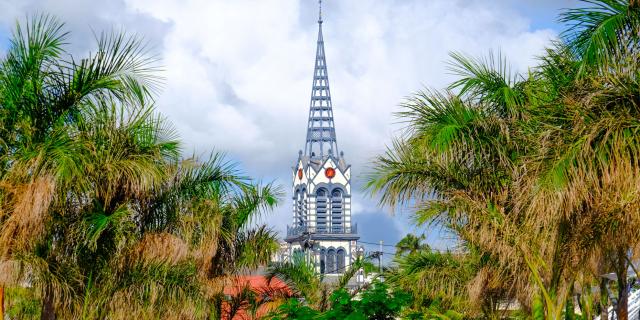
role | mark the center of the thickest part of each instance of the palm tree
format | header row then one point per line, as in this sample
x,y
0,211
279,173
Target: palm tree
x,y
99,215
411,244
532,170
458,158
433,279
605,38
42,96
306,283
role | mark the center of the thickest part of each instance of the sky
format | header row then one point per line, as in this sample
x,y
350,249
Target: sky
x,y
238,73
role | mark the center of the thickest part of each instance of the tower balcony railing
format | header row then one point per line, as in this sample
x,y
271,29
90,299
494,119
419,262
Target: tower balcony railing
x,y
299,230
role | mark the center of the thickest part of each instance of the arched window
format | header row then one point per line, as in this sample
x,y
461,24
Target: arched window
x,y
331,261
337,223
321,210
340,260
323,254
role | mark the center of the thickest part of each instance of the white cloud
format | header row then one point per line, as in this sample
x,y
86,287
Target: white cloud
x,y
239,72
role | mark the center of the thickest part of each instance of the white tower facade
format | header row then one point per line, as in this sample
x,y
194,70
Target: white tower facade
x,y
322,229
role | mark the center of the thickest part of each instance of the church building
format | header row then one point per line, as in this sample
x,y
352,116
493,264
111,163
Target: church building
x,y
322,230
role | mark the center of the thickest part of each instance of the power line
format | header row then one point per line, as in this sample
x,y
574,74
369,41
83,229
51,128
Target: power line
x,y
389,253
377,244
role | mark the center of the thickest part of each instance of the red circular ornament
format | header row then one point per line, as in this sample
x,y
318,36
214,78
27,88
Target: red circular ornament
x,y
300,174
330,172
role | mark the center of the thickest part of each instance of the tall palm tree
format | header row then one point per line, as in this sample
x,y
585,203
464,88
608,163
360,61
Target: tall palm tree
x,y
605,37
458,158
537,171
99,215
43,92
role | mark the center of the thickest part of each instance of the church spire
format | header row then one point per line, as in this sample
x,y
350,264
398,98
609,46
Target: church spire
x,y
322,228
321,133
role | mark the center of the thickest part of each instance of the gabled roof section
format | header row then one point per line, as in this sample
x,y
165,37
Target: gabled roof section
x,y
338,162
317,163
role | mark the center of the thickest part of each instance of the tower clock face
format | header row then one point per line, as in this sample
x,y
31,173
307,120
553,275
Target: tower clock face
x,y
330,172
300,174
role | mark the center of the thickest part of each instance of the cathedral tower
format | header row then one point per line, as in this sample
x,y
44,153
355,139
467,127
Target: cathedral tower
x,y
322,229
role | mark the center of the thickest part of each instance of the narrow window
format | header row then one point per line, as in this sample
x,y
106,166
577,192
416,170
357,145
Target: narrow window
x,y
337,224
340,262
321,210
331,261
323,253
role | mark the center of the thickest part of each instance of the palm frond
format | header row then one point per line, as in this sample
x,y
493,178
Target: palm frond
x,y
601,31
299,276
489,81
121,67
256,247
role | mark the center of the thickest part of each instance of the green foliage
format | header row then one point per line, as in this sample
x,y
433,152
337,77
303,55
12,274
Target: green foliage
x,y
293,309
342,307
537,308
376,302
22,304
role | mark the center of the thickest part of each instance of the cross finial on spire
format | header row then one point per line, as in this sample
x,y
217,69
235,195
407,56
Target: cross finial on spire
x,y
320,11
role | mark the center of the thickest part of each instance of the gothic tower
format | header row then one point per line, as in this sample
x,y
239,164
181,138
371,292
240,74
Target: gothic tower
x,y
322,228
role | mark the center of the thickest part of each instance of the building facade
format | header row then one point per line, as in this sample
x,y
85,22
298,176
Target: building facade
x,y
322,230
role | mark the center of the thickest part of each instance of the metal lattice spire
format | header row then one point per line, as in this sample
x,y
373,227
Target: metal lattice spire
x,y
321,132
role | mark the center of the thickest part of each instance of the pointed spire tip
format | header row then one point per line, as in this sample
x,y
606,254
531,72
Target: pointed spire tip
x,y
319,11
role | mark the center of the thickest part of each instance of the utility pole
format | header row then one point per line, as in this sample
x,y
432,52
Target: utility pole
x,y
378,254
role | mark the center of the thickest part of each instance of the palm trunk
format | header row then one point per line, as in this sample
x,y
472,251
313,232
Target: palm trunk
x,y
604,300
623,292
48,310
569,313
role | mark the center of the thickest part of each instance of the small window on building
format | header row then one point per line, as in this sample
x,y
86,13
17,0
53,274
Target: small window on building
x,y
340,262
331,261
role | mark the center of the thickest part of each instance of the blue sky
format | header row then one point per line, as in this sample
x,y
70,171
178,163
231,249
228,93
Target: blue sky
x,y
239,72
